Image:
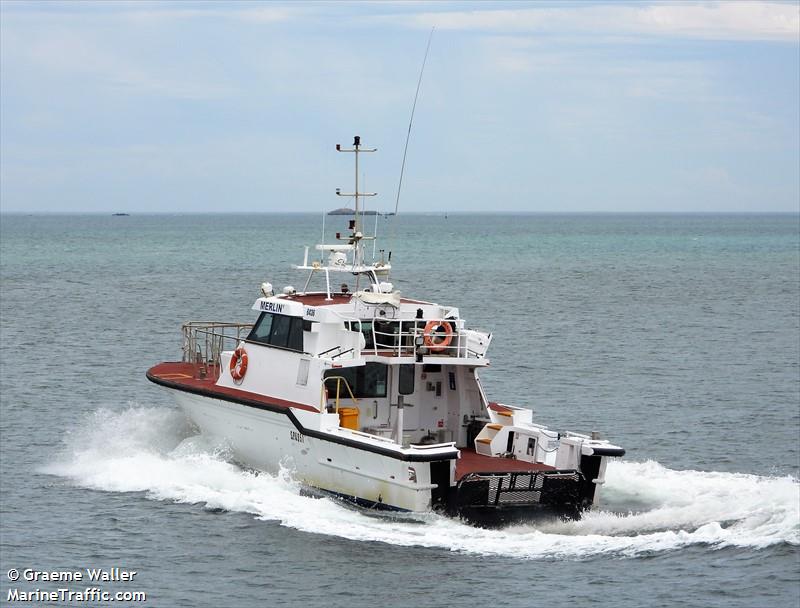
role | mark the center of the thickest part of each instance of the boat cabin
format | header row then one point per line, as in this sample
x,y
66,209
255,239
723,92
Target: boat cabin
x,y
374,358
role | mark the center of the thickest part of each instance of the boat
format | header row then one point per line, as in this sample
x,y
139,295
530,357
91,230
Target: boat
x,y
373,397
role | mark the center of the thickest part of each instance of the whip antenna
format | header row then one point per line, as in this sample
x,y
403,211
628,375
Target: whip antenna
x,y
411,122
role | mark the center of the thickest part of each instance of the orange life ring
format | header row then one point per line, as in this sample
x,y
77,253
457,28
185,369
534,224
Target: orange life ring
x,y
433,335
238,364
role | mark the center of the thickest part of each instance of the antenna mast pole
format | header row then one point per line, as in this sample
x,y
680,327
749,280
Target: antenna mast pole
x,y
357,235
411,122
356,145
390,240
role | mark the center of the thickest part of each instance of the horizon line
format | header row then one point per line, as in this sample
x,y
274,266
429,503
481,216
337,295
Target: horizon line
x,y
390,214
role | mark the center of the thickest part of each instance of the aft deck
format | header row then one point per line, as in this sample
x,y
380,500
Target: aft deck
x,y
472,462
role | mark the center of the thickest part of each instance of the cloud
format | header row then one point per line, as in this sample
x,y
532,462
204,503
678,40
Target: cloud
x,y
153,12
168,105
716,21
255,14
92,57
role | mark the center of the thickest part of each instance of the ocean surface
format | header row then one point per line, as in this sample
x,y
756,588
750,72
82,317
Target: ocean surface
x,y
675,336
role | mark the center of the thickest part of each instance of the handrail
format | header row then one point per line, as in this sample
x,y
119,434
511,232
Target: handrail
x,y
208,350
403,343
404,340
339,380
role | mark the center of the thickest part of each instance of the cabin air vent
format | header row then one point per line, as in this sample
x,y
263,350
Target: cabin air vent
x,y
266,290
289,290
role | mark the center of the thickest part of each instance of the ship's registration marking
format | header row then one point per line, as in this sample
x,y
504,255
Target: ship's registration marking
x,y
296,436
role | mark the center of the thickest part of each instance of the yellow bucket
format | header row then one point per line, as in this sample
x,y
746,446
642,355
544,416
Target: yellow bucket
x,y
348,418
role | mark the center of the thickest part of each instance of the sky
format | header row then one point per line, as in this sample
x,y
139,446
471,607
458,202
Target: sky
x,y
524,107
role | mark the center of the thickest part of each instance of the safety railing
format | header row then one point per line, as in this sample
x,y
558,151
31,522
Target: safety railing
x,y
412,337
408,338
204,341
339,380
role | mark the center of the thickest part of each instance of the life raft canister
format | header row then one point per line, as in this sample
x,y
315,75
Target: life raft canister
x,y
438,335
238,365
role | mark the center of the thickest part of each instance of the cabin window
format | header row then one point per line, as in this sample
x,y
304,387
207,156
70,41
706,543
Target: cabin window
x,y
366,381
405,384
278,330
279,335
262,328
296,335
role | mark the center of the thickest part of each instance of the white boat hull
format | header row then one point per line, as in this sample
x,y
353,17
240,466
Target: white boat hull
x,y
268,441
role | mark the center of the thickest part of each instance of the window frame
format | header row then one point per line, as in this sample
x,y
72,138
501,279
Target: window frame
x,y
295,325
359,372
403,380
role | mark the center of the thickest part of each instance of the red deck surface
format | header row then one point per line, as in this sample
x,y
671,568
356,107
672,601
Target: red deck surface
x,y
320,299
187,375
472,462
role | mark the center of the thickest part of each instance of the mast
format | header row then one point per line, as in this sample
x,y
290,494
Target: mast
x,y
356,235
349,256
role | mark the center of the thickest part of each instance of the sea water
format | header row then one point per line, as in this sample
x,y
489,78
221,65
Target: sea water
x,y
675,336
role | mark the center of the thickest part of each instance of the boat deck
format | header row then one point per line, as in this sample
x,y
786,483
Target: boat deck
x,y
190,378
472,462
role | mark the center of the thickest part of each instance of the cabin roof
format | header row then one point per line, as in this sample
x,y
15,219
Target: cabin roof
x,y
320,299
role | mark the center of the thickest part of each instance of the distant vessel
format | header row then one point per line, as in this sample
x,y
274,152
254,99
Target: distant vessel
x,y
120,214
375,398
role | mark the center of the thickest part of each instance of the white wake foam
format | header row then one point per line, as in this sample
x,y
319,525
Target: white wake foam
x,y
646,507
